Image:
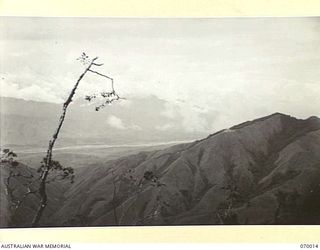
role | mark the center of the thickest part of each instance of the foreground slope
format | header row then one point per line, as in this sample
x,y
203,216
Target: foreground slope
x,y
265,171
19,200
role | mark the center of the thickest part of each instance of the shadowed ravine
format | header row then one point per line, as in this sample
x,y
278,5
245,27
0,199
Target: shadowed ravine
x,y
264,171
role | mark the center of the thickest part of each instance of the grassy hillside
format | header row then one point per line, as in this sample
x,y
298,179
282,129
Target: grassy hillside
x,y
264,171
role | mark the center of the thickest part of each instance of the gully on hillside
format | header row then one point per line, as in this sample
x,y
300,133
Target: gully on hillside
x,y
265,171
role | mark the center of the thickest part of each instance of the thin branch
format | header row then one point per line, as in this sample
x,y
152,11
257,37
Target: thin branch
x,y
29,171
93,71
109,101
154,213
42,187
141,186
24,176
16,202
48,159
97,64
9,191
24,197
108,77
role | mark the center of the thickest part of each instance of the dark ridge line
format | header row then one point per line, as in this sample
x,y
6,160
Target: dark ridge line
x,y
239,126
247,123
242,125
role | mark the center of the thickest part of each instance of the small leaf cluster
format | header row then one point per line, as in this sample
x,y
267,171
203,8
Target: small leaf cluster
x,y
61,171
108,96
8,156
84,59
151,177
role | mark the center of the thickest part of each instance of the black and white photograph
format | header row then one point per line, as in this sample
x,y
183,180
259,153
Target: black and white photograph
x,y
159,121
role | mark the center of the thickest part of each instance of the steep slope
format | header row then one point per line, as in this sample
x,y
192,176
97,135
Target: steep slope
x,y
19,200
261,172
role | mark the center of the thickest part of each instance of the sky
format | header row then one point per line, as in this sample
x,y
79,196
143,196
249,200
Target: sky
x,y
211,73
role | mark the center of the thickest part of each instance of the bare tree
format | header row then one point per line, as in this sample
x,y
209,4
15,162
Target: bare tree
x,y
16,173
134,188
226,214
48,163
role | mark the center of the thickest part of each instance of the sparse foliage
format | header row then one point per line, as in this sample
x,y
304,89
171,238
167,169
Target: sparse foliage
x,y
26,177
135,187
58,171
48,165
51,170
226,215
8,156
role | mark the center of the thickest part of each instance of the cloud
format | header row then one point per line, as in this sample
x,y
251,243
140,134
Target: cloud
x,y
116,122
31,92
164,127
205,75
187,116
135,127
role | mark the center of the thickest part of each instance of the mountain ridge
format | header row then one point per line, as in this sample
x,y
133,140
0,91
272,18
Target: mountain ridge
x,y
32,123
188,158
264,171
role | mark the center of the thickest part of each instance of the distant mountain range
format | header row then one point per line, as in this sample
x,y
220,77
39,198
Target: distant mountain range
x,y
264,171
136,121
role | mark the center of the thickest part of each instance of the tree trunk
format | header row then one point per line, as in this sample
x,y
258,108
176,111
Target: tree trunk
x,y
48,163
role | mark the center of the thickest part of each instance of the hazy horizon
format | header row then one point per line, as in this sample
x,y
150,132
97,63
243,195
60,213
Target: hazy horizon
x,y
211,73
186,145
